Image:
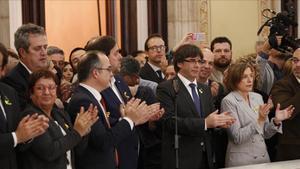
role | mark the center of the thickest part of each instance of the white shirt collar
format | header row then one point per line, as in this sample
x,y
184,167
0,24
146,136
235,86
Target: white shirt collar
x,y
26,67
155,68
93,91
186,82
298,80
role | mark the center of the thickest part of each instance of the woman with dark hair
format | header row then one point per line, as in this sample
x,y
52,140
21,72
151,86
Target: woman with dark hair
x,y
67,72
246,143
53,149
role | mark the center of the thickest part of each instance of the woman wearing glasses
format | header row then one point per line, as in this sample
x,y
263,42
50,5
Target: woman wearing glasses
x,y
53,149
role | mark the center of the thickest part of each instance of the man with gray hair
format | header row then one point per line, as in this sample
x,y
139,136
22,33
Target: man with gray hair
x,y
57,56
31,44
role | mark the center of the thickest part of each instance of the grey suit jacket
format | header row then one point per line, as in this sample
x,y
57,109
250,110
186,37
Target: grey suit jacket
x,y
246,143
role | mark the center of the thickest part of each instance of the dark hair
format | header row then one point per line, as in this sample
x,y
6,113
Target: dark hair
x,y
103,44
129,66
12,53
4,52
22,35
146,47
54,50
71,53
185,51
235,74
37,75
90,62
221,39
136,53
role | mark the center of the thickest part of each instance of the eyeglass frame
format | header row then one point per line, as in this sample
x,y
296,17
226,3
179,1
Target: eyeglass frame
x,y
155,48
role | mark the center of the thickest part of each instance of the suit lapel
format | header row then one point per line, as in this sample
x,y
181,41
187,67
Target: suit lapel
x,y
125,94
185,95
95,103
7,106
201,95
249,111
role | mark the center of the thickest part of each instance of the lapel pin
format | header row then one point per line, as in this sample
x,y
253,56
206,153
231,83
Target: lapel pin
x,y
107,114
7,101
200,90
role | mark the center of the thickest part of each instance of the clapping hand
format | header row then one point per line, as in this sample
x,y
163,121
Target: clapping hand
x,y
85,119
284,114
263,112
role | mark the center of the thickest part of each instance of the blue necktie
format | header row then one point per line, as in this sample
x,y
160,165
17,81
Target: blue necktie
x,y
196,98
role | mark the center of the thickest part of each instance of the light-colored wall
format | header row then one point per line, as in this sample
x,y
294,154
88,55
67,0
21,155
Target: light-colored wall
x,y
238,20
71,23
4,22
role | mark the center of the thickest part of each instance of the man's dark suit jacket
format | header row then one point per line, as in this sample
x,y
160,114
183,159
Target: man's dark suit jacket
x,y
287,92
193,138
148,73
48,151
10,102
18,79
102,140
149,134
128,148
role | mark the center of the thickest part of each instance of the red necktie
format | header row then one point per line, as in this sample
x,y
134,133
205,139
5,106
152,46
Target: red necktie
x,y
106,115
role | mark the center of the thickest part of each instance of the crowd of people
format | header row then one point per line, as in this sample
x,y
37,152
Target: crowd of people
x,y
192,107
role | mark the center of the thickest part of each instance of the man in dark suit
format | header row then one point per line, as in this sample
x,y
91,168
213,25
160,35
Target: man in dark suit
x,y
287,92
156,51
31,44
116,94
13,129
94,75
194,106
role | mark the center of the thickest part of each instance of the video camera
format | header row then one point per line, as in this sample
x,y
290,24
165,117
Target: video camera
x,y
279,26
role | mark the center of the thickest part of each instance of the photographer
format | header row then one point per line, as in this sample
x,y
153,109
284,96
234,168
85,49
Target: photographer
x,y
270,63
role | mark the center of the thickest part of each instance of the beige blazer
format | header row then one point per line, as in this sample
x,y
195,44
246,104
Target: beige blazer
x,y
246,143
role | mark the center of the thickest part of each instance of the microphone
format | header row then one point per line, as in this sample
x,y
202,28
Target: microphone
x,y
176,86
176,136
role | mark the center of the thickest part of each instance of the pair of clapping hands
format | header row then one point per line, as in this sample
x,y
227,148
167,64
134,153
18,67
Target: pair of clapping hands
x,y
139,112
222,120
280,115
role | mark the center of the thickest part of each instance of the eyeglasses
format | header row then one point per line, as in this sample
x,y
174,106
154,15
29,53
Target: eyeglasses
x,y
294,60
195,61
42,88
109,69
157,48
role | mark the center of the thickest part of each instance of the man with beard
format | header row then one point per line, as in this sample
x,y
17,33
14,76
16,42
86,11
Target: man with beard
x,y
221,47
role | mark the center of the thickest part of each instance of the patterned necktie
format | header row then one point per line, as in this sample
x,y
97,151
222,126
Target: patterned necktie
x,y
196,98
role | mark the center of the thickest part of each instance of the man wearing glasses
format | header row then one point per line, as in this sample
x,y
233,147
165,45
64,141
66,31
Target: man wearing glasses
x,y
287,92
189,106
156,51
